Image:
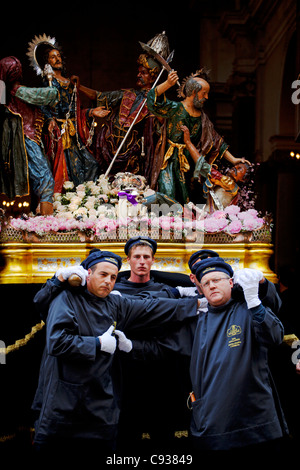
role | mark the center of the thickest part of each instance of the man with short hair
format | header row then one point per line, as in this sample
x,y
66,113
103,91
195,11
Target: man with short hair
x,y
140,253
229,363
267,290
234,402
77,399
151,378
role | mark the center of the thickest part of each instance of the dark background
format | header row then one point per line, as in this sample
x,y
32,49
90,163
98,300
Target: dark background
x,y
100,42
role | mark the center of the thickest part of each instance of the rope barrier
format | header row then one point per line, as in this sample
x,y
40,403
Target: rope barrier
x,y
22,342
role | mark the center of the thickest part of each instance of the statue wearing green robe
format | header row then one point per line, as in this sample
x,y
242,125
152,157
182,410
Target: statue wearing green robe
x,y
179,174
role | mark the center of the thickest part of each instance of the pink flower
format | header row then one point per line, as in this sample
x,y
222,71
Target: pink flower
x,y
252,212
211,225
101,225
89,224
154,222
219,214
234,227
178,225
165,223
222,223
111,225
232,209
123,221
249,223
260,222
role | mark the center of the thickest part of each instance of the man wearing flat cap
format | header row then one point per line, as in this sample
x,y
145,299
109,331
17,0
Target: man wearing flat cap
x,y
77,399
234,403
267,290
232,371
140,253
151,378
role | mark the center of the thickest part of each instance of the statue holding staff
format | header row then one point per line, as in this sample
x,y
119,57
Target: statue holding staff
x,y
127,141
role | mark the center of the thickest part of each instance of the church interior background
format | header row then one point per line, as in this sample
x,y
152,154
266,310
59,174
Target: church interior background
x,y
252,50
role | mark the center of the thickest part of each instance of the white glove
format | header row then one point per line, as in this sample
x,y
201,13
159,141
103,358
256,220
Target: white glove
x,y
124,343
67,272
116,292
249,279
202,305
108,343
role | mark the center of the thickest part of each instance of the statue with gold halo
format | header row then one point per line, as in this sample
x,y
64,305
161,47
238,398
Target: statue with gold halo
x,y
71,129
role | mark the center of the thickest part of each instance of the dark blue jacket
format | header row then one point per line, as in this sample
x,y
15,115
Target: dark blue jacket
x,y
77,394
236,402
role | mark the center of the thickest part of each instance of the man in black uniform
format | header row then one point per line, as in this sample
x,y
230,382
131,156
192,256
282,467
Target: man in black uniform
x,y
140,253
77,399
150,412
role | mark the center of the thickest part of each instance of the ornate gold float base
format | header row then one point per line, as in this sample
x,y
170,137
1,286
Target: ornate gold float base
x,y
29,263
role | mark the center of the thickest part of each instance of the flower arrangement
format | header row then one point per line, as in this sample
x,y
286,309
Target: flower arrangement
x,y
232,221
87,200
92,209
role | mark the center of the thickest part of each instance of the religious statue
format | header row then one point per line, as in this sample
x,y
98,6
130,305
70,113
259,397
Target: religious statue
x,y
24,166
71,128
177,167
222,190
128,110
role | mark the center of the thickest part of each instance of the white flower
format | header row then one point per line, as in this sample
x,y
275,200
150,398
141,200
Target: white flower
x,y
91,200
57,206
68,215
80,188
75,199
92,213
63,213
95,190
81,211
73,206
101,210
69,195
81,194
68,185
